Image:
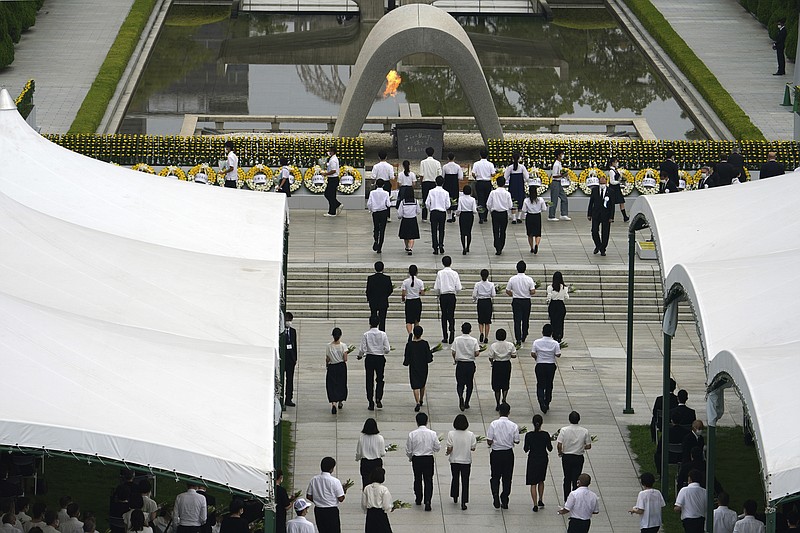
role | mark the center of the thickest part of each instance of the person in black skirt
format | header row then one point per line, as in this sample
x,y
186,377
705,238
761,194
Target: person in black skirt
x,y
466,210
483,295
516,176
532,209
417,357
377,502
557,294
537,445
500,355
615,188
412,289
407,212
336,374
370,450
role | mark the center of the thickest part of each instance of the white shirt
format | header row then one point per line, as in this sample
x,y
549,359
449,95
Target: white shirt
x,y
31,524
466,204
452,167
461,444
422,441
582,503
503,433
404,180
465,347
534,207
233,167
378,201
12,528
499,200
370,447
749,524
413,291
520,170
149,506
502,351
430,168
71,525
556,172
408,210
62,517
300,525
650,501
325,490
334,353
521,286
22,518
438,200
483,170
546,350
613,176
483,289
284,174
333,166
574,439
375,342
724,519
383,170
376,496
447,281
563,294
692,501
190,509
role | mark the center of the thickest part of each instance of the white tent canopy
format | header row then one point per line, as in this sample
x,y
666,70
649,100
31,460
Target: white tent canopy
x,y
140,315
735,252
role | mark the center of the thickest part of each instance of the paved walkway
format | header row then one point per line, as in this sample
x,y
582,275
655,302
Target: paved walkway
x,y
63,53
738,51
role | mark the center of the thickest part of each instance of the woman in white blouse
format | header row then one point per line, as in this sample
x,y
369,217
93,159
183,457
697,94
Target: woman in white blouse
x,y
405,180
615,187
377,502
557,294
483,294
369,450
336,370
460,445
517,177
500,355
466,210
532,209
413,288
407,212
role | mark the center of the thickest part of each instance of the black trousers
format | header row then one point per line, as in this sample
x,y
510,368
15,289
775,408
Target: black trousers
x,y
288,382
781,60
653,529
501,463
482,190
465,376
499,225
327,519
600,233
572,466
188,529
231,184
426,188
545,373
577,525
366,467
521,309
460,471
374,366
438,219
447,306
422,465
379,219
330,195
556,310
694,525
379,312
465,222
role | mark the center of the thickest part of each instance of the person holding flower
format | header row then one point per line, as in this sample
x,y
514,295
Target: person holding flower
x,y
369,450
377,503
557,295
417,357
537,445
500,355
466,210
460,445
284,174
483,295
336,373
412,289
615,188
332,172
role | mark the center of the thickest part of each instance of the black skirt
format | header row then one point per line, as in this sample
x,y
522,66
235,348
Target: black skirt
x,y
413,310
533,224
485,308
536,472
336,382
501,375
615,192
377,521
409,228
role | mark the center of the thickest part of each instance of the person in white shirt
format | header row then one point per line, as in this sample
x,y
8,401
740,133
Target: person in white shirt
x,y
374,347
190,510
460,445
581,505
284,178
572,443
421,444
521,287
438,202
500,355
406,180
411,290
447,284
615,187
326,493
37,517
137,525
72,524
300,524
332,172
483,171
559,180
10,523
466,210
648,505
51,522
724,517
336,370
407,212
452,174
369,450
691,504
464,349
516,176
502,436
749,524
383,171
545,351
376,501
63,502
231,169
429,168
483,295
557,294
532,209
499,205
378,204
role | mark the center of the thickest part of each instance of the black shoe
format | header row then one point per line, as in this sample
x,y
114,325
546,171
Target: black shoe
x,y
417,408
779,74
374,246
536,249
625,218
463,506
535,509
418,502
371,406
333,410
441,249
466,405
341,405
482,340
427,507
481,221
463,252
290,403
496,502
603,253
497,407
541,503
455,499
435,251
504,506
378,404
452,336
461,403
514,222
498,253
444,340
596,250
378,250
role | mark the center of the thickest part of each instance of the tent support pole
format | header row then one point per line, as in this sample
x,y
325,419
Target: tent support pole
x,y
665,418
269,520
771,522
711,466
629,355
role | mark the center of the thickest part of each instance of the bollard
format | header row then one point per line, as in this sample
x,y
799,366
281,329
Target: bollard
x,y
787,96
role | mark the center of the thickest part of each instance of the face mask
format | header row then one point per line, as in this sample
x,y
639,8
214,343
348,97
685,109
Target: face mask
x,y
289,324
699,432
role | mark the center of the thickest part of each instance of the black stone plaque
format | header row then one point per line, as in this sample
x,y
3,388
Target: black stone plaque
x,y
413,139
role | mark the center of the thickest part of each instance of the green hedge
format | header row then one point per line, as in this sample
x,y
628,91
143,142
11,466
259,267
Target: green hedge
x,y
15,17
706,83
769,12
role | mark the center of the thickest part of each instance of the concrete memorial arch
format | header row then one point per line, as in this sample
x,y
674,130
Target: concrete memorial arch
x,y
412,29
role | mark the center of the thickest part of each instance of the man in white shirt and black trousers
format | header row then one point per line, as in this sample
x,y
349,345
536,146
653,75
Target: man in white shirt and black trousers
x,y
421,444
378,204
581,504
572,443
438,202
465,349
375,347
501,437
691,504
429,168
499,205
521,287
190,509
447,284
483,171
326,493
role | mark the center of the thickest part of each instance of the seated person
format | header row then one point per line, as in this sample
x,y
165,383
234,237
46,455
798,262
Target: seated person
x,y
685,415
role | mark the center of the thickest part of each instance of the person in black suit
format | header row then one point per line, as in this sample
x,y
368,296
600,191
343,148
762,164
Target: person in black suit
x,y
289,339
684,415
693,439
724,173
736,161
211,515
676,435
668,172
778,45
771,167
658,409
705,182
601,209
379,288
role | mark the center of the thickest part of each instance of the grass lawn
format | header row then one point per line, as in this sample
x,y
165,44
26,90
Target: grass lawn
x,y
737,469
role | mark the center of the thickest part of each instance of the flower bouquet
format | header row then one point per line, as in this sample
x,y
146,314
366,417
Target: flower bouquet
x,y
570,289
351,348
296,494
347,484
437,348
399,504
523,430
391,448
482,348
479,438
499,289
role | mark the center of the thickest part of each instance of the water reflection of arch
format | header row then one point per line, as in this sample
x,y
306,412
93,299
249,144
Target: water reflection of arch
x,y
322,81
